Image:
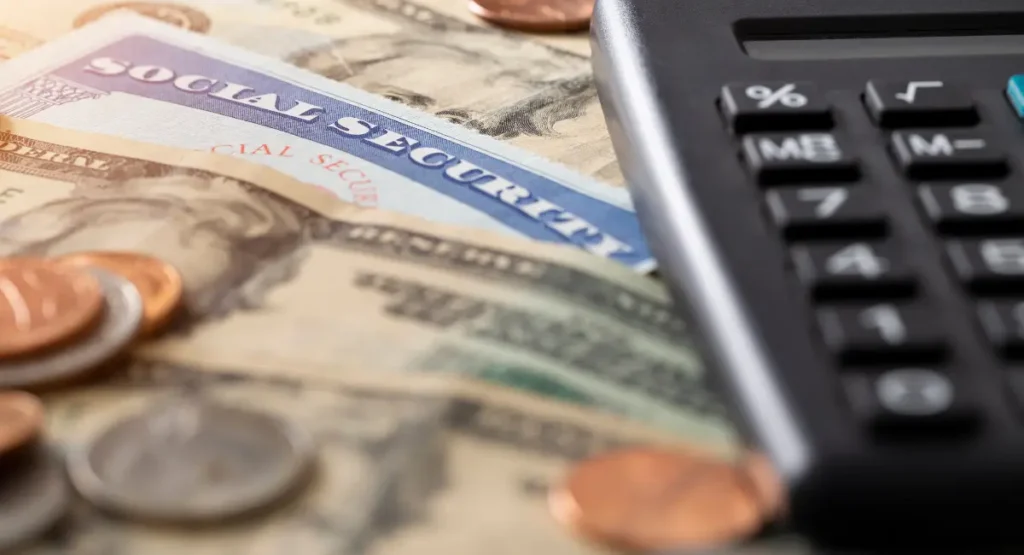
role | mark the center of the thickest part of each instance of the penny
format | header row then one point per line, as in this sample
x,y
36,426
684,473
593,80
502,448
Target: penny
x,y
765,483
649,499
535,15
43,304
192,462
178,15
34,495
123,317
159,283
21,419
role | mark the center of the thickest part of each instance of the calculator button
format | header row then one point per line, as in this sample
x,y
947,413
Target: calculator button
x,y
775,105
881,332
1003,323
826,211
908,398
974,206
919,103
989,265
1015,92
850,269
794,157
946,154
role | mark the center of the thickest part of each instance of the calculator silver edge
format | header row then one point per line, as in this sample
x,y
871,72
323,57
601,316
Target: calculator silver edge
x,y
662,204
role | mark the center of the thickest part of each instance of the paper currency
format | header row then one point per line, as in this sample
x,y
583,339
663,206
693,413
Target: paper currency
x,y
282,277
131,76
533,91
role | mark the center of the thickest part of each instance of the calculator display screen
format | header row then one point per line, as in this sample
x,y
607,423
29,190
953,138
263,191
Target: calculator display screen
x,y
883,47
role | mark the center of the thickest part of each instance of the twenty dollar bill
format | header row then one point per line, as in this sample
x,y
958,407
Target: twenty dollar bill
x,y
130,76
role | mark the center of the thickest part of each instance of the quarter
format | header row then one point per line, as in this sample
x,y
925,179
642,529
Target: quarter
x,y
21,419
123,317
34,495
43,304
158,282
192,462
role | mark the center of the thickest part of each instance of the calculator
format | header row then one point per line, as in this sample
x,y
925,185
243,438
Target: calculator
x,y
834,191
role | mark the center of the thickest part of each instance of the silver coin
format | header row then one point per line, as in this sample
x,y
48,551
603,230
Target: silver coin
x,y
34,495
121,321
193,461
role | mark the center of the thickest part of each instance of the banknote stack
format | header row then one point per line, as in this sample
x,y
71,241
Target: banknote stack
x,y
337,277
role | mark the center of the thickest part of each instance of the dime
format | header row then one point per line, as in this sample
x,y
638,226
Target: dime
x,y
658,500
179,15
192,462
109,339
21,419
43,304
536,15
159,283
34,495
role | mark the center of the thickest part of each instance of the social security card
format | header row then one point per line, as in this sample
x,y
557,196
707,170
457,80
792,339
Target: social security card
x,y
140,79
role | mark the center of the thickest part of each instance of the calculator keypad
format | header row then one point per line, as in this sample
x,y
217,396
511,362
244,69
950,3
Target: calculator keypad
x,y
871,311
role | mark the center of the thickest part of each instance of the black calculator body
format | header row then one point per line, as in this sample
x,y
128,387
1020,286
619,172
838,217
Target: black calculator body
x,y
834,190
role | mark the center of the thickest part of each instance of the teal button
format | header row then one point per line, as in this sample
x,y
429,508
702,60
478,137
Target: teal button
x,y
1015,90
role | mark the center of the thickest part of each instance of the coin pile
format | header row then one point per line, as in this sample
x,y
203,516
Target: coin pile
x,y
188,461
651,500
62,319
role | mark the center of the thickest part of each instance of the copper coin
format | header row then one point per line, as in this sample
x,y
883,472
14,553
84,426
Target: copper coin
x,y
536,15
21,419
43,304
158,282
178,15
650,499
766,484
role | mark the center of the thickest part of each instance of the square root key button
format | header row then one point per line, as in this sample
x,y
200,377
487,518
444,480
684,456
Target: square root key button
x,y
947,154
798,157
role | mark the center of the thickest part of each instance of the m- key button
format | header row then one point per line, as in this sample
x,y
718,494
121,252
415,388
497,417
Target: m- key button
x,y
852,269
947,154
798,157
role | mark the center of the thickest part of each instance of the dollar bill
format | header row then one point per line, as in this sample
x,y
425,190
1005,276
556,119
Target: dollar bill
x,y
534,91
131,76
402,469
282,277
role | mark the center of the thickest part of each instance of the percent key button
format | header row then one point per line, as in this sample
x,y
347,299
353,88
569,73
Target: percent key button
x,y
774,106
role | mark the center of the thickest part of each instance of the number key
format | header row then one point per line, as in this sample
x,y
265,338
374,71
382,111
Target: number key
x,y
826,211
989,265
835,270
881,333
1003,322
973,207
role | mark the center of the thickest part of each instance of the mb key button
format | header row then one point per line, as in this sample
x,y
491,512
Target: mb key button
x,y
919,103
947,154
774,106
881,333
852,269
798,157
